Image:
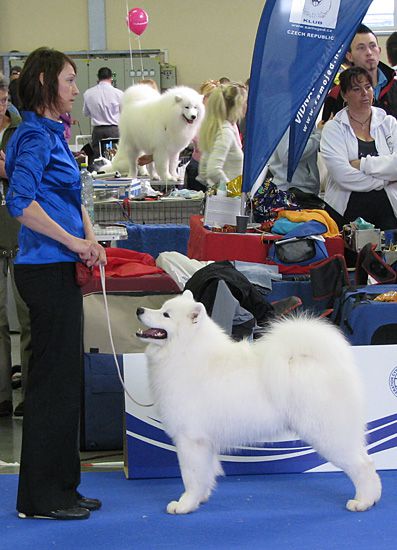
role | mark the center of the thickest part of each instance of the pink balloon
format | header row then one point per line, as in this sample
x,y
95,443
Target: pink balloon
x,y
137,20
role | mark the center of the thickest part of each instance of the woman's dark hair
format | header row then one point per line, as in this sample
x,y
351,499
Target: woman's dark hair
x,y
34,94
350,77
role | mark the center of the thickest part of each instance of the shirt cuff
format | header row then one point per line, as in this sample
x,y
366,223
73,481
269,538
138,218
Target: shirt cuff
x,y
16,205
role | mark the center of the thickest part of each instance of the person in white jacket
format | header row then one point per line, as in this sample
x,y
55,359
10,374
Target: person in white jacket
x,y
359,148
306,176
219,140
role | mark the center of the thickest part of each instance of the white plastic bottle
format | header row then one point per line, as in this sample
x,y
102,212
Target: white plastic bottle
x,y
87,191
221,190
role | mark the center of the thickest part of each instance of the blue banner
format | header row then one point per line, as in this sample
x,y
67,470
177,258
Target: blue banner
x,y
298,49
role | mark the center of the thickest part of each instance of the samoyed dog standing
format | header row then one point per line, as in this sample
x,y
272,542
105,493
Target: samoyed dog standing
x,y
157,124
213,393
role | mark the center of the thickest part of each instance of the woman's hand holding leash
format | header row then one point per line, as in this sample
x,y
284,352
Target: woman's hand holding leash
x,y
90,252
97,255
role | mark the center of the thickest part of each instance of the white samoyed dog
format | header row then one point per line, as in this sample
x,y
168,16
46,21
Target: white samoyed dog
x,y
157,124
213,393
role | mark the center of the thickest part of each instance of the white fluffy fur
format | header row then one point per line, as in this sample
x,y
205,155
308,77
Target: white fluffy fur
x,y
213,394
157,124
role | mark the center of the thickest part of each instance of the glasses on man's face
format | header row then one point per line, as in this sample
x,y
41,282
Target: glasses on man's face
x,y
3,101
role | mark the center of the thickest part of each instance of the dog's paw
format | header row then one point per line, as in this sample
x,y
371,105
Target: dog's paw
x,y
205,498
355,505
142,171
156,177
171,178
178,507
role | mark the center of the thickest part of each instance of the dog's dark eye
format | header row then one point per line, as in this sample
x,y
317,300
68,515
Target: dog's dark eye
x,y
166,314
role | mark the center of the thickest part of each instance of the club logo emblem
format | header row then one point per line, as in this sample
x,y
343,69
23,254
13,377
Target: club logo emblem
x,y
393,381
317,8
318,13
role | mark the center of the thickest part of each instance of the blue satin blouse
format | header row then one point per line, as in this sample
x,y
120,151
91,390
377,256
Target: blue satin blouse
x,y
41,167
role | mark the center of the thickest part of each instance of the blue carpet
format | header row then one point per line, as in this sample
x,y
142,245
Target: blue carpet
x,y
273,512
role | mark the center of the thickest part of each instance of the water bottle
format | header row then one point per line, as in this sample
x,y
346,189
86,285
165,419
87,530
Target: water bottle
x,y
87,191
221,190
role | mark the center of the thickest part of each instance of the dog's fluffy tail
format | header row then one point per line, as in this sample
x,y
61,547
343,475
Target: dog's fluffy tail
x,y
138,92
310,357
307,336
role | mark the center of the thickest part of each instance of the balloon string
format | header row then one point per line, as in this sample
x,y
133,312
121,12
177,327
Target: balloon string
x,y
140,51
129,42
132,64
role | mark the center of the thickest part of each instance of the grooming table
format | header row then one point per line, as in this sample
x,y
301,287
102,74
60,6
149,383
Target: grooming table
x,y
209,245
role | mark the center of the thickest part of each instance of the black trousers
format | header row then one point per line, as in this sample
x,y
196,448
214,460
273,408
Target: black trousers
x,y
102,132
373,206
50,463
190,176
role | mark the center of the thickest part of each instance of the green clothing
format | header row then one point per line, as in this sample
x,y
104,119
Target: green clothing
x,y
9,227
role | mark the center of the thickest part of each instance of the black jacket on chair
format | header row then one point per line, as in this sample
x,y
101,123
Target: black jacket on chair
x,y
204,283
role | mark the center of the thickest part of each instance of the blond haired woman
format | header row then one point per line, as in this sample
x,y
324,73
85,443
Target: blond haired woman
x,y
219,138
191,182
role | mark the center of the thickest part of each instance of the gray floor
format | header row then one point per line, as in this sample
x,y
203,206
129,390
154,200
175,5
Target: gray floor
x,y
11,435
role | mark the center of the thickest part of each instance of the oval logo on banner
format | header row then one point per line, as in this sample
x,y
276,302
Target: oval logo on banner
x,y
393,381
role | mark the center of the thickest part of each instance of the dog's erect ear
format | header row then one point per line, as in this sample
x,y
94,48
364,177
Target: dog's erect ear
x,y
188,294
178,98
197,312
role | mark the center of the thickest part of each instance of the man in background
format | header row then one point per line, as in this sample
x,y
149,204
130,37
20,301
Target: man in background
x,y
9,229
13,86
364,51
102,105
391,50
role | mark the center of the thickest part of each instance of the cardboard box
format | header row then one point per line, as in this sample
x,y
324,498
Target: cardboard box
x,y
364,236
220,211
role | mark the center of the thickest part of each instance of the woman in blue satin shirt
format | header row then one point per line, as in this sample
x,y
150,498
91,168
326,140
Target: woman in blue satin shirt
x,y
45,196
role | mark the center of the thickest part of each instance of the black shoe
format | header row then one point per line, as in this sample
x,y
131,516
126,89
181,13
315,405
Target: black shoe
x,y
76,512
16,377
6,408
90,504
18,411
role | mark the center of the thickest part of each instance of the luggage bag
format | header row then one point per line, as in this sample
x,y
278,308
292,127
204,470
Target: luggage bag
x,y
365,321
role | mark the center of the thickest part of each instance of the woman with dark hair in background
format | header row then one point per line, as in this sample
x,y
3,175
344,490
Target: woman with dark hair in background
x,y
359,148
45,196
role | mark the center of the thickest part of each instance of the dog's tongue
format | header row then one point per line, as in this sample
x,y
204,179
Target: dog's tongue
x,y
188,120
153,333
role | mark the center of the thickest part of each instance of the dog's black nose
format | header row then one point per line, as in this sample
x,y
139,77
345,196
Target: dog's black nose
x,y
194,117
139,311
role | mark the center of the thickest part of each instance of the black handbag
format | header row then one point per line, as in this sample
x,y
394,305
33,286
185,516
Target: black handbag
x,y
298,250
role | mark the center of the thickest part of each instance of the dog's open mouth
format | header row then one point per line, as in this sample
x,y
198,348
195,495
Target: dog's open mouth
x,y
188,120
152,333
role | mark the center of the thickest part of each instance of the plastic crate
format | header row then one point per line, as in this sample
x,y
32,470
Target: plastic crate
x,y
105,212
161,211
